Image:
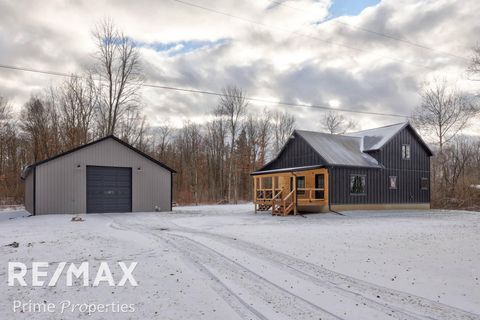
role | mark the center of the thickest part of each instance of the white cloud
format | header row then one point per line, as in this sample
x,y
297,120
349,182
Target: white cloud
x,y
311,64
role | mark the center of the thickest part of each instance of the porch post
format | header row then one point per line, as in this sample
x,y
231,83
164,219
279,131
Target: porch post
x,y
273,195
294,194
255,193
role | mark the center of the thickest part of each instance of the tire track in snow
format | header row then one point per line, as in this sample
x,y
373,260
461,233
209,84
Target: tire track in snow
x,y
269,296
384,308
243,309
296,306
349,285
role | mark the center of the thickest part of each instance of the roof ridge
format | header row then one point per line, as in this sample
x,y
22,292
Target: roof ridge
x,y
390,125
327,134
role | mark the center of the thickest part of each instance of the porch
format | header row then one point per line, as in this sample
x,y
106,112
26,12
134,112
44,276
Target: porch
x,y
290,192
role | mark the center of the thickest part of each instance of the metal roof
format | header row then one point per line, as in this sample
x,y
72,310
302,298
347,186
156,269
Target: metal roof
x,y
339,150
349,149
374,139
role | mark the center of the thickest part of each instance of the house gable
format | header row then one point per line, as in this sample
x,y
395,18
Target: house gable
x,y
390,154
296,153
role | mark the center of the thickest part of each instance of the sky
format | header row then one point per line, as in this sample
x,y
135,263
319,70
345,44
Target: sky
x,y
335,53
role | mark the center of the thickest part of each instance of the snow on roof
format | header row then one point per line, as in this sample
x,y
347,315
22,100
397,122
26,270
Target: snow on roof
x,y
338,149
374,139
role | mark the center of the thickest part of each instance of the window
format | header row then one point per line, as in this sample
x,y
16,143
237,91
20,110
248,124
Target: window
x,y
357,184
424,183
300,185
406,152
319,184
392,182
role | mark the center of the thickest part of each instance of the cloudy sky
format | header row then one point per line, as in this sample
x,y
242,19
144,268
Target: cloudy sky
x,y
337,53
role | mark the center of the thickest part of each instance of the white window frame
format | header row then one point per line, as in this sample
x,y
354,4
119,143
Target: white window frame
x,y
390,182
406,152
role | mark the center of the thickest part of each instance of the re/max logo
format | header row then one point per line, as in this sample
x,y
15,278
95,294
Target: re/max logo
x,y
17,272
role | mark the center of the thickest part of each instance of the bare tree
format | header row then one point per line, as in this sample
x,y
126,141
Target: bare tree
x,y
283,125
457,157
39,122
474,67
336,123
77,101
118,67
5,109
216,151
190,144
133,128
162,136
232,107
264,138
444,112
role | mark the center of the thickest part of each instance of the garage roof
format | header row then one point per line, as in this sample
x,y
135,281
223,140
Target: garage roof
x,y
29,168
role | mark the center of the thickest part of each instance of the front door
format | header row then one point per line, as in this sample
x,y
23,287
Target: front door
x,y
320,184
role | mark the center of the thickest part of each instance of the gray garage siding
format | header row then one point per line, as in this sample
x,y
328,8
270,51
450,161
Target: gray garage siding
x,y
29,193
61,185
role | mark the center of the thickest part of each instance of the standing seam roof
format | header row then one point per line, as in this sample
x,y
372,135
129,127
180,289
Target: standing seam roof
x,y
339,150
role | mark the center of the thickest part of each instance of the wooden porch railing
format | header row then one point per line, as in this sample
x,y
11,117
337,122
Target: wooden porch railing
x,y
309,194
272,199
275,200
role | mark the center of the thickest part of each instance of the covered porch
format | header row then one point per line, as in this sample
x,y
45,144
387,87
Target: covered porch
x,y
293,190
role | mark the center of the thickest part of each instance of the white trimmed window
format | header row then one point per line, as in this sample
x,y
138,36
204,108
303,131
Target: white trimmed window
x,y
392,182
406,152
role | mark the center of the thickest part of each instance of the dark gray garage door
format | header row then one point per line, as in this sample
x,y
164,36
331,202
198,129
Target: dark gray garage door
x,y
109,189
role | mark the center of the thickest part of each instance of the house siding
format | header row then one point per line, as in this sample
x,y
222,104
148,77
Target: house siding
x,y
61,184
408,172
296,153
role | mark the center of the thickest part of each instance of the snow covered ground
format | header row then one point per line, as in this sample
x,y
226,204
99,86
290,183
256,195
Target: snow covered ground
x,y
224,262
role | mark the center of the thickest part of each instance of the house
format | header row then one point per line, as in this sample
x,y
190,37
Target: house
x,y
381,168
106,175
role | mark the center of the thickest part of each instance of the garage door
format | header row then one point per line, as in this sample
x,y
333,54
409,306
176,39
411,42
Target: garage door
x,y
109,189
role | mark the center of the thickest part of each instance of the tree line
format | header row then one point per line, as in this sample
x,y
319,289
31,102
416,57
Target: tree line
x,y
213,160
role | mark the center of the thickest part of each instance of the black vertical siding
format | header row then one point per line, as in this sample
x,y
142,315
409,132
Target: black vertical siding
x,y
408,172
296,153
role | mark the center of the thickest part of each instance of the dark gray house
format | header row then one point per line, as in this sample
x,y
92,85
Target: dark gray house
x,y
381,168
106,175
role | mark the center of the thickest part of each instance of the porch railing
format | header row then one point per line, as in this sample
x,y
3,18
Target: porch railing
x,y
266,194
283,205
310,194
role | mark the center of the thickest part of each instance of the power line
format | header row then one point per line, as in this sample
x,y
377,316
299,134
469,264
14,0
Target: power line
x,y
212,93
377,33
299,34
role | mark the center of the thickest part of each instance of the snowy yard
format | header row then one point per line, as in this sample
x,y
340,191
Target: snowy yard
x,y
224,262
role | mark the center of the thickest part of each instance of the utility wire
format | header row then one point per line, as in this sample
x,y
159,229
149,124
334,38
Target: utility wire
x,y
300,34
377,33
212,93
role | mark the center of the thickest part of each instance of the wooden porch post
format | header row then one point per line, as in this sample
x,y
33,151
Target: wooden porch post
x,y
294,194
273,195
255,193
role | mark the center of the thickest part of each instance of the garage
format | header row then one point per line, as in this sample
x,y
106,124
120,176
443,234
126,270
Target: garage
x,y
109,189
106,175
